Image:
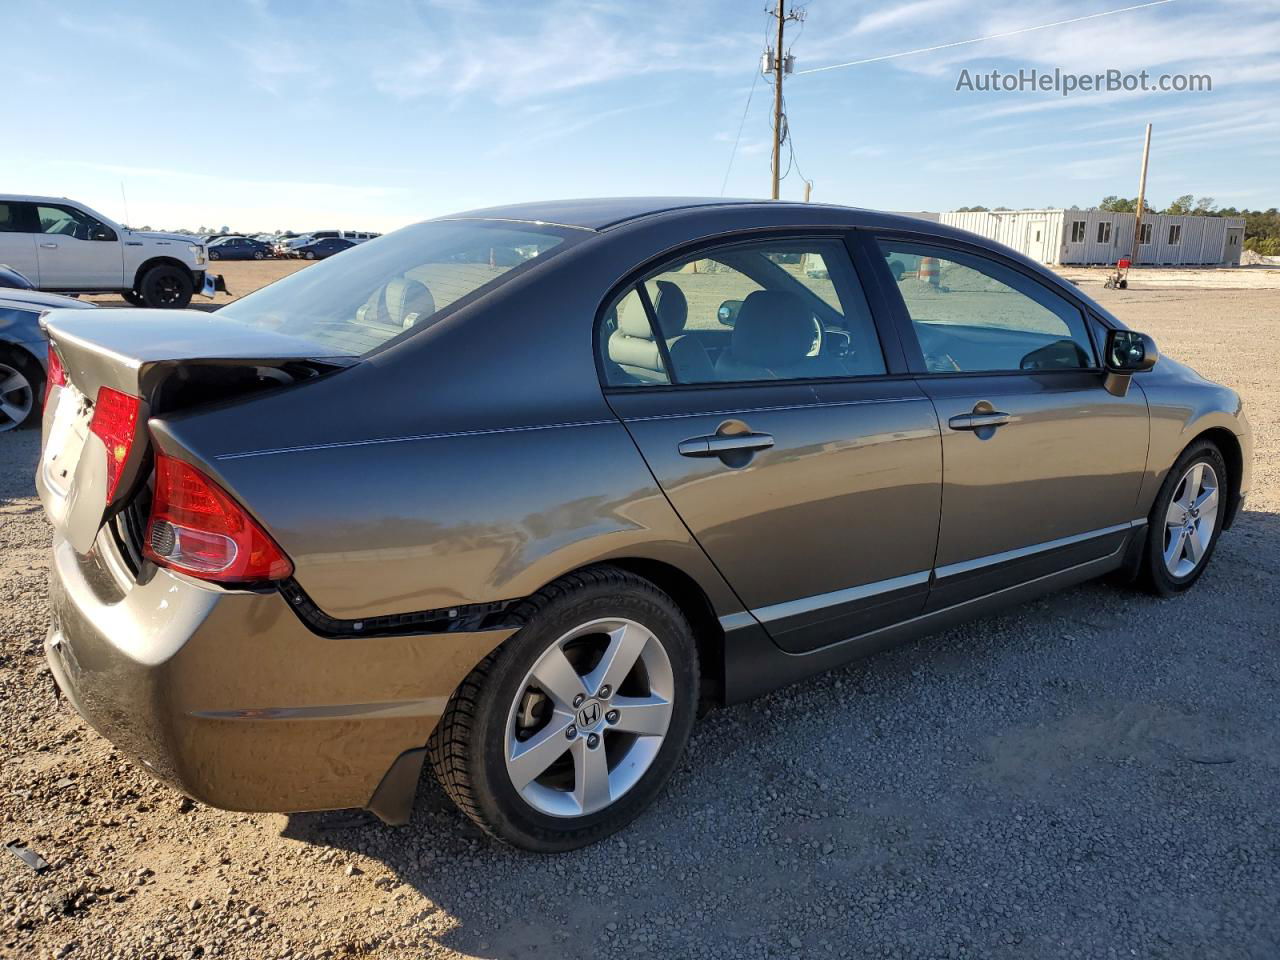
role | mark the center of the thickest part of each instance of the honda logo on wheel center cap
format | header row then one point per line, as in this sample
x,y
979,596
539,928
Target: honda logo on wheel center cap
x,y
589,713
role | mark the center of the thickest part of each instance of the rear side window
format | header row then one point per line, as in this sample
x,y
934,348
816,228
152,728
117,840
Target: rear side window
x,y
13,219
379,289
745,313
972,314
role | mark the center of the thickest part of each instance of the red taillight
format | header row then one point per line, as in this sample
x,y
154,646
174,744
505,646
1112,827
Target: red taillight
x,y
196,527
57,375
115,418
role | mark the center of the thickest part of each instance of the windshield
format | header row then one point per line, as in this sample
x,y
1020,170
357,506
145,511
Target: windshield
x,y
362,297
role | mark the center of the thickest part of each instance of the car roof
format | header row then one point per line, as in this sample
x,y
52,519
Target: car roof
x,y
31,198
601,214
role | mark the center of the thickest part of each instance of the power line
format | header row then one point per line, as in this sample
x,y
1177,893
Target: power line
x,y
994,36
741,123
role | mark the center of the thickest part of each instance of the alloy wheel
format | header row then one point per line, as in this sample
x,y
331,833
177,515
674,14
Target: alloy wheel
x,y
1190,520
589,718
16,397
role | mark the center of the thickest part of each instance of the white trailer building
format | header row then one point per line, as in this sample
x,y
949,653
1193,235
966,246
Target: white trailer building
x,y
1101,237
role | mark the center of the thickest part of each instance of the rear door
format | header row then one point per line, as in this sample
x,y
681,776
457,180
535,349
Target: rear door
x,y
1042,465
784,431
76,250
17,239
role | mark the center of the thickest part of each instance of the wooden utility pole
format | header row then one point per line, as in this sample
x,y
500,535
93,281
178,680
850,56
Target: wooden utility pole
x,y
779,68
1142,197
808,188
777,100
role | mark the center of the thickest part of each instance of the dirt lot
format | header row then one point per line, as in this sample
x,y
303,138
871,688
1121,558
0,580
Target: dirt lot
x,y
1092,775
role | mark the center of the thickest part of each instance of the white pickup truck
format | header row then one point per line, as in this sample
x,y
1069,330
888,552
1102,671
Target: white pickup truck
x,y
65,247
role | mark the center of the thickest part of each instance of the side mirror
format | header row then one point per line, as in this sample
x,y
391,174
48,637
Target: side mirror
x,y
1130,352
728,312
101,233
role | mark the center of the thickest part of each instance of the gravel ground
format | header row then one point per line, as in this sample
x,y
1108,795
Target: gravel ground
x,y
1093,775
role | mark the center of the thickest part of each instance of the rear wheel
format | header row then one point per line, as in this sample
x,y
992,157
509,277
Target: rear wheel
x,y
21,387
1186,521
571,728
167,287
214,255
310,255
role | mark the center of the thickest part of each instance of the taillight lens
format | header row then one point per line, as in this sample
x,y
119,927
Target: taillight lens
x,y
57,375
196,527
115,420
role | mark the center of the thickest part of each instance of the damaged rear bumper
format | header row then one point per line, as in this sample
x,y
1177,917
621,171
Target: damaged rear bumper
x,y
230,698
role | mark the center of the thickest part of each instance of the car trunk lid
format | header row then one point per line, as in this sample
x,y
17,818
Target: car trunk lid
x,y
131,365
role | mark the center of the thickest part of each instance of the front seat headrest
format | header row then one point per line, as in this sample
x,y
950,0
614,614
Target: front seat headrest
x,y
408,301
774,329
671,307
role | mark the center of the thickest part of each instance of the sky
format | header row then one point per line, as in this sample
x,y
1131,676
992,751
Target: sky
x,y
371,114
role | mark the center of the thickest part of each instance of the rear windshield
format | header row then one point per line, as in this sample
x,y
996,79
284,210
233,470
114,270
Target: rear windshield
x,y
360,298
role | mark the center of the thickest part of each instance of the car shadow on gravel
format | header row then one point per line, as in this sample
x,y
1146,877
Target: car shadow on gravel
x,y
1001,789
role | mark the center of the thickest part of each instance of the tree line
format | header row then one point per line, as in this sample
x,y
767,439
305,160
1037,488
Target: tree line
x,y
1261,227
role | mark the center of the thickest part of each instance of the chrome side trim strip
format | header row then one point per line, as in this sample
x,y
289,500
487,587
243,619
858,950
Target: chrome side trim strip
x,y
424,436
740,411
994,559
791,608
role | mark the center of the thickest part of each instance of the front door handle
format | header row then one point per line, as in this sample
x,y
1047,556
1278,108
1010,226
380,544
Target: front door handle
x,y
718,444
49,246
976,421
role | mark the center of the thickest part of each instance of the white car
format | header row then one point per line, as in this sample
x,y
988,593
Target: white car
x,y
66,247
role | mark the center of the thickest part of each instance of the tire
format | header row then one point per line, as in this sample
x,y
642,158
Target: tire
x,y
133,298
573,623
1123,284
21,391
166,287
214,255
259,255
310,255
1159,573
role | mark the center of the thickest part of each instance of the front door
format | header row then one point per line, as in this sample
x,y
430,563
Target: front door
x,y
1042,466
76,251
17,242
752,379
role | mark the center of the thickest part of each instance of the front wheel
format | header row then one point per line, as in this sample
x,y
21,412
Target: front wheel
x,y
566,732
310,255
1186,521
214,255
168,287
258,255
133,298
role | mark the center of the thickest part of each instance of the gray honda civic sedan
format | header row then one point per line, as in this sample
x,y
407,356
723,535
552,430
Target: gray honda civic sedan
x,y
514,492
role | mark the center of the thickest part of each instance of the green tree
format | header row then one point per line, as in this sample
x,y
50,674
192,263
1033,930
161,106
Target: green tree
x,y
1182,206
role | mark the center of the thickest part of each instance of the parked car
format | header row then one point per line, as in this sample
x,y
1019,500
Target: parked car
x,y
322,248
239,248
522,516
24,349
287,246
13,279
66,247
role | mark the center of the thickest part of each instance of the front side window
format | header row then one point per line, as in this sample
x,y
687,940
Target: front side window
x,y
405,279
971,314
64,221
743,313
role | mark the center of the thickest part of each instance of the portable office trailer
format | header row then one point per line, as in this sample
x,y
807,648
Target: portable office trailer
x,y
1101,237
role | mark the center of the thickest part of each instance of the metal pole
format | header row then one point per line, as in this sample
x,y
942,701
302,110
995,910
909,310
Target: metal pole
x,y
1142,197
777,102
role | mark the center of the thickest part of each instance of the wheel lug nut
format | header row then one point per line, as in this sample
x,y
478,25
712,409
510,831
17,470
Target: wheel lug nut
x,y
593,740
611,716
571,732
578,700
606,690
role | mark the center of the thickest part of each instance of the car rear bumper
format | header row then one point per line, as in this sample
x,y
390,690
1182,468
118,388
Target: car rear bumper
x,y
230,698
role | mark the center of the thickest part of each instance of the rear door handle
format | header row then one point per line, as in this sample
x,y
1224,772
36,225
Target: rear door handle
x,y
718,444
976,421
49,246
